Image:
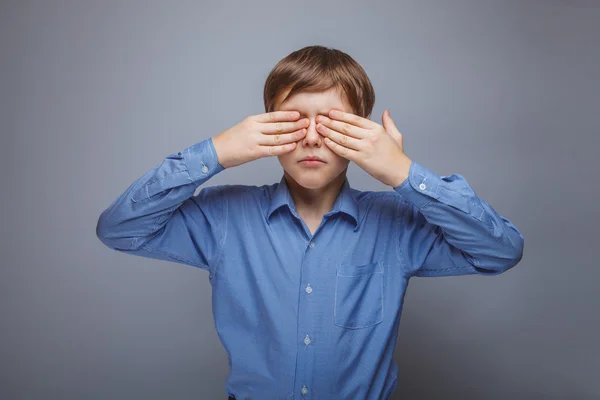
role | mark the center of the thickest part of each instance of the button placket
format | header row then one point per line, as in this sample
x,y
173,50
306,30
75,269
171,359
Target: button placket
x,y
308,289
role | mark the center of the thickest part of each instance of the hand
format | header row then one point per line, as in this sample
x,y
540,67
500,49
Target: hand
x,y
376,149
258,136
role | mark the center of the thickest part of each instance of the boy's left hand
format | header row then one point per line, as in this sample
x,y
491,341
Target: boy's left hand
x,y
376,149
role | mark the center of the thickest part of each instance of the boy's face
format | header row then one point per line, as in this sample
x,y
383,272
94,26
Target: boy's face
x,y
309,105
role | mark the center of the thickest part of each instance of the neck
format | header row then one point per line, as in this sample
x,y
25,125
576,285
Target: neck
x,y
314,203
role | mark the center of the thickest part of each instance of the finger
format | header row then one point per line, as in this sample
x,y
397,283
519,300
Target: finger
x,y
352,119
267,151
279,139
275,116
344,127
340,138
271,128
340,150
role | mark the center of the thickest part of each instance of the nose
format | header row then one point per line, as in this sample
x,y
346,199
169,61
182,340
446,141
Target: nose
x,y
312,137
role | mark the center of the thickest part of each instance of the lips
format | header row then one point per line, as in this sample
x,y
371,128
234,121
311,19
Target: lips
x,y
312,158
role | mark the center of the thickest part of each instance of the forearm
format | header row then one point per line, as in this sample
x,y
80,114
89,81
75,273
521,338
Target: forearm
x,y
147,204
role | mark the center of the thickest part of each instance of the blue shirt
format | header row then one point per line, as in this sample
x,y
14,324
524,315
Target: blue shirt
x,y
306,316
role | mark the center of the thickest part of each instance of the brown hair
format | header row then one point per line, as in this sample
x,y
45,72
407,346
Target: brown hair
x,y
316,69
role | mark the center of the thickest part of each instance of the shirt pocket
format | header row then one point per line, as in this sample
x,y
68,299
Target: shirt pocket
x,y
358,295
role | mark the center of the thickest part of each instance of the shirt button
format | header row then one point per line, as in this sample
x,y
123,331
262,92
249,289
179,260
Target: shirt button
x,y
205,169
304,390
311,244
307,340
422,186
308,288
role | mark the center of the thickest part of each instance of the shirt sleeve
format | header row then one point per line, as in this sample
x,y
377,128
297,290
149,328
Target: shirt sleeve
x,y
452,231
159,217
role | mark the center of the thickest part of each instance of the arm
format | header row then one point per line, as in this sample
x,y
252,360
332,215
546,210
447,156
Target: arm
x,y
452,231
158,217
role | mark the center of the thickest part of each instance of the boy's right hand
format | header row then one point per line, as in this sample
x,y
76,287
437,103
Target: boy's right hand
x,y
257,136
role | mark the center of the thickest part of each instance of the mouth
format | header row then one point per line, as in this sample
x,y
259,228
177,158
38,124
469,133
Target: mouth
x,y
312,158
312,162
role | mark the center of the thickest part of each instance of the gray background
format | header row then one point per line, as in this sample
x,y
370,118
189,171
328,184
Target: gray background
x,y
94,94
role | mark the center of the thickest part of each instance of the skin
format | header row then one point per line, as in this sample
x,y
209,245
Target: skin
x,y
313,189
319,124
338,136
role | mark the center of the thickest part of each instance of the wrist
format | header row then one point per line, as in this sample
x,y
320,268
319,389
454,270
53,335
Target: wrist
x,y
402,172
218,145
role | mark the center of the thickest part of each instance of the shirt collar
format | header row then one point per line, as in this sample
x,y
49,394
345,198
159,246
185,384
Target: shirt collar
x,y
346,202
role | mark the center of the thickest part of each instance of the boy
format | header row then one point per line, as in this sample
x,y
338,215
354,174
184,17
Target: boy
x,y
308,275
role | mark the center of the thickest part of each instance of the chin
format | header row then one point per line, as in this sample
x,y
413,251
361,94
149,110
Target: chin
x,y
311,182
313,179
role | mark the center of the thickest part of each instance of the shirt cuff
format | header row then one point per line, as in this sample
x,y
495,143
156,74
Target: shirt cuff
x,y
202,161
421,186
